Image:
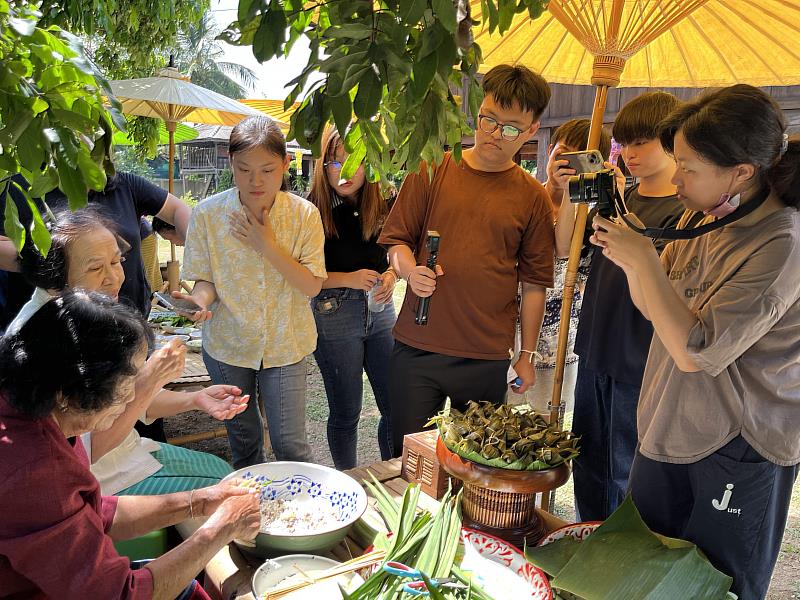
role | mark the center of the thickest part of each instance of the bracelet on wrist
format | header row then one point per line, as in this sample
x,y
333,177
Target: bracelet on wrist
x,y
531,355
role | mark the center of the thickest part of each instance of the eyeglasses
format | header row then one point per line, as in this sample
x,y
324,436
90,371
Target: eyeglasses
x,y
490,125
335,165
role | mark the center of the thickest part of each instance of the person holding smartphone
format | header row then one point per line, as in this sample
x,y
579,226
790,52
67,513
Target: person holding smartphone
x,y
612,337
570,136
256,254
496,234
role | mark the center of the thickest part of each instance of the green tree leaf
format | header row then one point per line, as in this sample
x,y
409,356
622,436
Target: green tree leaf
x,y
93,175
368,97
353,31
422,75
39,233
411,11
342,62
70,181
30,148
354,159
341,107
13,227
445,11
43,183
263,43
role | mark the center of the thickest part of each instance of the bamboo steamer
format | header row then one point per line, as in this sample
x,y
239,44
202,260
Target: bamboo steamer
x,y
501,502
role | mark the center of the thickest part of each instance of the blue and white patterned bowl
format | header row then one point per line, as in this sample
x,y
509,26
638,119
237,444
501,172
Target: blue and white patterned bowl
x,y
305,482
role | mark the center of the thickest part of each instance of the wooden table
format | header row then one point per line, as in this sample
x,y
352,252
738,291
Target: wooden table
x,y
229,573
194,374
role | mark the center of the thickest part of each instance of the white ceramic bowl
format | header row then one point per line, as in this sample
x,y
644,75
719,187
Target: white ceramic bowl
x,y
197,334
305,482
185,331
163,340
178,330
275,570
577,531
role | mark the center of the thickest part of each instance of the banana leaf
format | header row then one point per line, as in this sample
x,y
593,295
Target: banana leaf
x,y
499,463
553,557
623,559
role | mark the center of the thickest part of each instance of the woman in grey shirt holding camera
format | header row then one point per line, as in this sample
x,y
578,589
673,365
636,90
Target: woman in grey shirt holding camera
x,y
720,400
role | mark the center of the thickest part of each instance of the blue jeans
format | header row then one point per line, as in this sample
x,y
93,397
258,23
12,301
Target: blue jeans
x,y
605,418
352,340
282,393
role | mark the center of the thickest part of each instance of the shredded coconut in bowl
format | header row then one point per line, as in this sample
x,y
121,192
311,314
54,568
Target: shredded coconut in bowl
x,y
288,517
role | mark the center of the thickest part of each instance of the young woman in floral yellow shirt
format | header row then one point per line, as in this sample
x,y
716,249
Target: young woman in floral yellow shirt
x,y
256,254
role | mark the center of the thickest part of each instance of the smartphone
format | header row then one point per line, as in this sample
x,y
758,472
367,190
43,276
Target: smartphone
x,y
179,305
586,161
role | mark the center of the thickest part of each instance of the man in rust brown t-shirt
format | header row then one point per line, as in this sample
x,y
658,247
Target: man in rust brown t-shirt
x,y
496,228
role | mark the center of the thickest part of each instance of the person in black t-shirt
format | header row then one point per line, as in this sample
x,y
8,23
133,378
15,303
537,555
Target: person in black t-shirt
x,y
613,337
351,337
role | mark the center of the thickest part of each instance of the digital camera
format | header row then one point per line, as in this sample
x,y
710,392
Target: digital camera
x,y
599,188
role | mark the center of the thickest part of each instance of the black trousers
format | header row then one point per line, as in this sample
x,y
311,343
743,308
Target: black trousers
x,y
420,381
733,504
154,431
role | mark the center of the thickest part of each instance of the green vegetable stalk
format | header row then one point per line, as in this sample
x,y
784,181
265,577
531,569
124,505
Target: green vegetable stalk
x,y
420,540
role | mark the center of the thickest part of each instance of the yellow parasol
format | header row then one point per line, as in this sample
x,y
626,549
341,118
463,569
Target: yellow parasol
x,y
172,97
649,43
273,108
654,43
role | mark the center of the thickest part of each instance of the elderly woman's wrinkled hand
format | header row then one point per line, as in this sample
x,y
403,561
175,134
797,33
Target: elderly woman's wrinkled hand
x,y
221,401
232,506
212,497
165,364
622,245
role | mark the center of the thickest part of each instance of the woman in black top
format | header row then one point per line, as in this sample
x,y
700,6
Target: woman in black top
x,y
352,338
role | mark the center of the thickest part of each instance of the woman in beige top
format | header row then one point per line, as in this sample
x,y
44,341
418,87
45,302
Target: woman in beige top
x,y
85,253
256,255
720,401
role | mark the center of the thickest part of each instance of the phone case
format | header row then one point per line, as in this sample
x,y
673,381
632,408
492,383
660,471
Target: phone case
x,y
177,304
587,161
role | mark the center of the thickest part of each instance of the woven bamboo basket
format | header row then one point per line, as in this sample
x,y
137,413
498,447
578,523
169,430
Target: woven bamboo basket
x,y
502,502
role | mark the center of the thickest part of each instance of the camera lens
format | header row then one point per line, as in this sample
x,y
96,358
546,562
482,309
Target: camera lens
x,y
596,187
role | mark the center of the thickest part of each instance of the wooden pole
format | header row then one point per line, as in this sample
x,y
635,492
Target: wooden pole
x,y
198,437
556,410
606,73
173,267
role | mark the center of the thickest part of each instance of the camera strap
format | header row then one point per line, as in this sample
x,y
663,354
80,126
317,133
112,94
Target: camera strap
x,y
665,233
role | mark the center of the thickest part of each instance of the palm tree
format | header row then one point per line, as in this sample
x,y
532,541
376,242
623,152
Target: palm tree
x,y
198,55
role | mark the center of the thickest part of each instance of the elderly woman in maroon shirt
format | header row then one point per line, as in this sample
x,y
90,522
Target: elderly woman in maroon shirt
x,y
68,370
